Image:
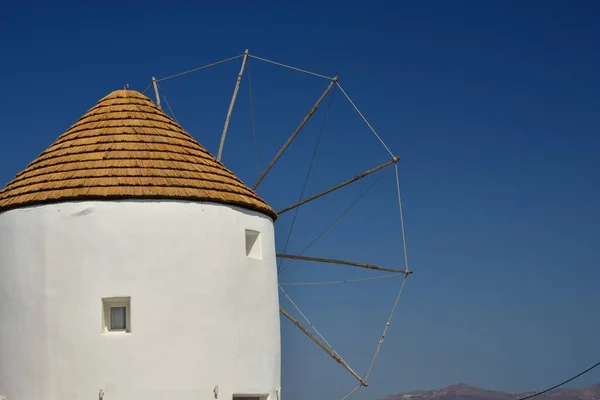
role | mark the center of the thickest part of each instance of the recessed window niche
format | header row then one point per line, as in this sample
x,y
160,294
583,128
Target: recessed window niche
x,y
253,245
116,315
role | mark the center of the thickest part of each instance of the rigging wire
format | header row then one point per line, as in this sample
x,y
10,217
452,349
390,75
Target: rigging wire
x,y
365,119
306,178
167,103
193,70
253,120
145,90
401,216
308,321
387,325
290,67
560,384
337,219
339,282
199,68
356,389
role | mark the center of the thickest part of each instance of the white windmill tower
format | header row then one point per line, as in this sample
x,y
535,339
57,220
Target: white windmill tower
x,y
134,265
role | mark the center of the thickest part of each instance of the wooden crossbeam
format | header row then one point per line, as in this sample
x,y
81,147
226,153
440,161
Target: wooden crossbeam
x,y
291,138
322,345
341,262
341,185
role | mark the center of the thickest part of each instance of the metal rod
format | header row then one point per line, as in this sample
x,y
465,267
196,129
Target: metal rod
x,y
291,138
333,354
235,92
155,84
333,261
341,185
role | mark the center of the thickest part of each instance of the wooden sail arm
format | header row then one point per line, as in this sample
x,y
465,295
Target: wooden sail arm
x,y
341,262
341,185
291,138
332,353
235,92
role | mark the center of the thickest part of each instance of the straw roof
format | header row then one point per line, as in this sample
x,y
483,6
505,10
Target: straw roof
x,y
125,147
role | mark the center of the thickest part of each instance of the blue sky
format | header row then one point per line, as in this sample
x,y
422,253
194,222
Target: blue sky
x,y
493,107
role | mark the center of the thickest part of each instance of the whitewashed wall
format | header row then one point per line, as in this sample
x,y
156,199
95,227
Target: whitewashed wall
x,y
202,313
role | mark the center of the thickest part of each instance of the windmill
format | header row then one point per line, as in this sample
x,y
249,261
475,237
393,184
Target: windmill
x,y
135,265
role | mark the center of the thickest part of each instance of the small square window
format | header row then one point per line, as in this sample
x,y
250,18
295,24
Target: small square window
x,y
253,247
116,315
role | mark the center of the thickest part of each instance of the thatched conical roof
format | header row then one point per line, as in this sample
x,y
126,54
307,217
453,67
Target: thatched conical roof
x,y
125,147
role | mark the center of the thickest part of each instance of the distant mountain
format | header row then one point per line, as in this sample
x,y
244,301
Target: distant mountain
x,y
467,392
